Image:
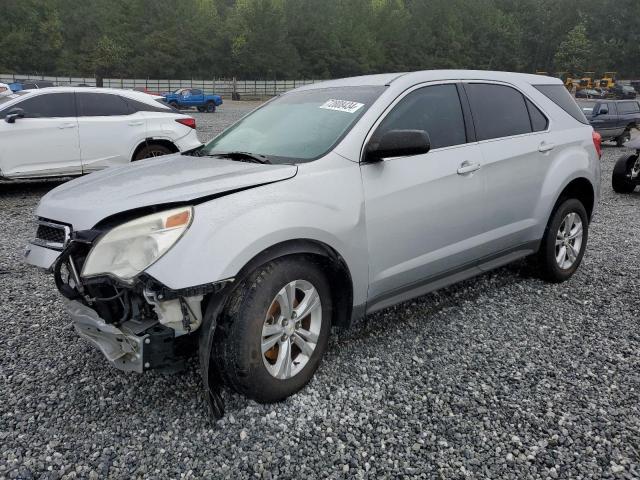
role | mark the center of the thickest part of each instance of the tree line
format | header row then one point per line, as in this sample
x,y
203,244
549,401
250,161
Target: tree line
x,y
278,39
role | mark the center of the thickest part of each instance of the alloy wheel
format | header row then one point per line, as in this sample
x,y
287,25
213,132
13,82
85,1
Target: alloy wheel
x,y
291,329
569,240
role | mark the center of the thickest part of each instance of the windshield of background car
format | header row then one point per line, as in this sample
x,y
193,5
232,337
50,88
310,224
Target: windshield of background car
x,y
587,107
8,98
298,126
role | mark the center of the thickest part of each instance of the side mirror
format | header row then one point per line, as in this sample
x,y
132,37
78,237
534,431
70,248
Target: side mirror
x,y
398,143
603,111
13,115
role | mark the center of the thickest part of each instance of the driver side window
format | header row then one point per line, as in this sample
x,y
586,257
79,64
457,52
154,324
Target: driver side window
x,y
435,109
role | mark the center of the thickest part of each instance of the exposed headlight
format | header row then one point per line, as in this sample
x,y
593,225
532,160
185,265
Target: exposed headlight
x,y
132,247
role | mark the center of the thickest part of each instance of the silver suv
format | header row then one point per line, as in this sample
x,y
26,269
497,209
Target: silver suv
x,y
326,204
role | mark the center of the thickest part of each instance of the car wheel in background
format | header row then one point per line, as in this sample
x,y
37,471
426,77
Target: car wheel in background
x,y
211,107
624,138
152,150
564,241
174,105
624,170
275,329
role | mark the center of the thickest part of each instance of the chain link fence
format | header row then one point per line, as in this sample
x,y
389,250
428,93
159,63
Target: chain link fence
x,y
228,88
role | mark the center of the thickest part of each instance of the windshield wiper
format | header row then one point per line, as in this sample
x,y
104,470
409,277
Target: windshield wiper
x,y
242,156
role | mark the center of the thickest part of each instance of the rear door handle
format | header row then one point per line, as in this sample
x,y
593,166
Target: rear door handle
x,y
468,167
136,123
546,147
67,125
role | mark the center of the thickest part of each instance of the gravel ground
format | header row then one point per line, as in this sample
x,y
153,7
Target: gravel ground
x,y
502,376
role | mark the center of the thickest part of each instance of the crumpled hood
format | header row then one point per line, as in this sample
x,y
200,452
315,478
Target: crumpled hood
x,y
85,201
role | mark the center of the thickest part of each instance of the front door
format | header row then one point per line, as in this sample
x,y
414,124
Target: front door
x,y
45,141
424,213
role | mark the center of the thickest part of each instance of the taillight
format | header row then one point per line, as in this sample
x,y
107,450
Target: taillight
x,y
597,142
189,122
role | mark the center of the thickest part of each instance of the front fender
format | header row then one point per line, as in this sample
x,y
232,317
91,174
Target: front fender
x,y
323,203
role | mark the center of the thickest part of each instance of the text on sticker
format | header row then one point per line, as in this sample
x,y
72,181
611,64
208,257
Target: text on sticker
x,y
342,105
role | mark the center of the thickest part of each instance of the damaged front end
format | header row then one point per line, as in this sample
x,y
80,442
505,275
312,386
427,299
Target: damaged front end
x,y
138,326
138,323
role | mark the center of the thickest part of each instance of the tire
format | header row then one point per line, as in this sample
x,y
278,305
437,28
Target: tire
x,y
152,150
624,138
551,269
237,352
174,105
620,180
210,107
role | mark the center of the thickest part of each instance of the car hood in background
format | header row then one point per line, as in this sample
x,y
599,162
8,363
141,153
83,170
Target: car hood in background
x,y
85,201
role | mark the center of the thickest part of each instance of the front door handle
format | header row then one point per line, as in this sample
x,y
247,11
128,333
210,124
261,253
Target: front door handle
x,y
546,147
468,167
136,123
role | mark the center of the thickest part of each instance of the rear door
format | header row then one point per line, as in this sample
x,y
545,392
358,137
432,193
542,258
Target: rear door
x,y
517,149
110,130
629,113
45,141
424,213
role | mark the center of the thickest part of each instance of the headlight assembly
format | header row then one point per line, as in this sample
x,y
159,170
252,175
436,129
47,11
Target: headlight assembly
x,y
132,247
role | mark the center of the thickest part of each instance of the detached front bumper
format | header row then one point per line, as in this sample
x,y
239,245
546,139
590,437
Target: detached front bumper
x,y
134,345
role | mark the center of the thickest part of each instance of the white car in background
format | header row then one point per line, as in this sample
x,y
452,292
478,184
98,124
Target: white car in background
x,y
64,131
5,91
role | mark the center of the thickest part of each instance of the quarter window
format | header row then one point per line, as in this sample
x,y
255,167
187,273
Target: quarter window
x,y
434,109
101,105
498,111
539,122
53,105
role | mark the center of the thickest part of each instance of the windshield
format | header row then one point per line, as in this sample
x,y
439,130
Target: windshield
x,y
587,107
298,126
8,98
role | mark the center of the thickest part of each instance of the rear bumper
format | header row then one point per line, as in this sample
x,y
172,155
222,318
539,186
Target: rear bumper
x,y
188,142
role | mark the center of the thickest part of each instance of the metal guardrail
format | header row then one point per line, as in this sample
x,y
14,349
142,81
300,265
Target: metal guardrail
x,y
223,87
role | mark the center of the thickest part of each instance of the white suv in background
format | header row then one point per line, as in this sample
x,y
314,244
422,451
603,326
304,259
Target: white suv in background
x,y
70,131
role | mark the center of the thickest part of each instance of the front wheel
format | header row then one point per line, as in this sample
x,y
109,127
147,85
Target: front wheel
x,y
626,174
210,107
274,331
564,242
624,138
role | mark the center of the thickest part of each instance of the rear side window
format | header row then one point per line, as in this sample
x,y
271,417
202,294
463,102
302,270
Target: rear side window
x,y
101,105
137,106
559,95
628,107
434,109
498,111
53,105
539,122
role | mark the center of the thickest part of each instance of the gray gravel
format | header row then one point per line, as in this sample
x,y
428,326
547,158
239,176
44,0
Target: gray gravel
x,y
502,376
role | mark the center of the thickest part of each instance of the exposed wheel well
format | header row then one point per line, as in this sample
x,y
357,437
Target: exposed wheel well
x,y
581,189
332,264
155,141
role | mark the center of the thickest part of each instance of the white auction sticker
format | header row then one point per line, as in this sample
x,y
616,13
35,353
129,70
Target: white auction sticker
x,y
342,105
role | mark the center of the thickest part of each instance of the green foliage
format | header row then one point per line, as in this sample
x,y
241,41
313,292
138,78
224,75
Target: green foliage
x,y
315,38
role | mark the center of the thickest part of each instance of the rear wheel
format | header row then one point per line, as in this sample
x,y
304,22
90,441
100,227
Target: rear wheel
x,y
564,241
174,105
626,174
210,107
275,330
152,150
